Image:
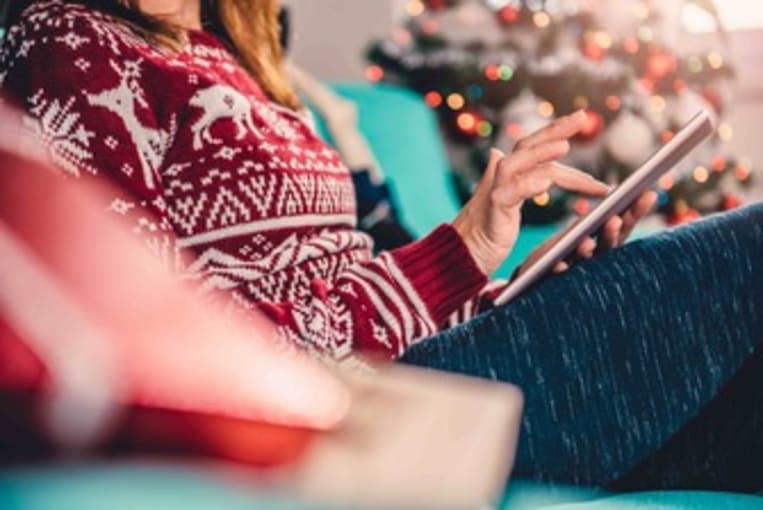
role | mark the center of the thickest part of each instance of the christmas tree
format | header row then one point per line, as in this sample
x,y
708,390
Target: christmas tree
x,y
496,70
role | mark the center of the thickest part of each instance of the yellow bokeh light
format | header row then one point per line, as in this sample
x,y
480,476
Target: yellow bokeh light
x,y
466,121
414,7
725,131
715,60
603,39
542,200
701,174
545,108
456,101
541,19
657,103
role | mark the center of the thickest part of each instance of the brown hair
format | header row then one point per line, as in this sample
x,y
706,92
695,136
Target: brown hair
x,y
250,26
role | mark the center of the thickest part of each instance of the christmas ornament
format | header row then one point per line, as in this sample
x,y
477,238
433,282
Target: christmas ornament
x,y
525,115
630,139
470,22
686,105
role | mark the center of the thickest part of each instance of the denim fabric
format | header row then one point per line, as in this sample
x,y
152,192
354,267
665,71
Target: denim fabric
x,y
621,354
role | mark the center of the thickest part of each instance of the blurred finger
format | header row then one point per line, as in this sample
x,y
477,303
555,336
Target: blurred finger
x,y
587,248
561,129
638,210
532,157
495,158
611,234
514,187
572,179
561,267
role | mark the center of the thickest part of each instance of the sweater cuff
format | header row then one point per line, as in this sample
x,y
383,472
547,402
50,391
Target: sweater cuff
x,y
441,271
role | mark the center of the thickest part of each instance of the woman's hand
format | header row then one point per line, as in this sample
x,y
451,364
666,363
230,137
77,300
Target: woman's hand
x,y
489,222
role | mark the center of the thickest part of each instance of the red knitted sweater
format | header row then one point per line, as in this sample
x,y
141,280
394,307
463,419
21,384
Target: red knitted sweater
x,y
206,165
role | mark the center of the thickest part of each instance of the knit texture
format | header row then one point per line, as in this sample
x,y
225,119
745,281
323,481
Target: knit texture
x,y
234,191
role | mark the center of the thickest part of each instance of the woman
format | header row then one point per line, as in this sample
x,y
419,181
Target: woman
x,y
182,104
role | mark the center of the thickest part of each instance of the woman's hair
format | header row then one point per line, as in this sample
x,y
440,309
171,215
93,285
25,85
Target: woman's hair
x,y
250,26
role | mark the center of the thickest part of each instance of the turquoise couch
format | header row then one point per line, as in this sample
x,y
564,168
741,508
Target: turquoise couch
x,y
147,485
404,135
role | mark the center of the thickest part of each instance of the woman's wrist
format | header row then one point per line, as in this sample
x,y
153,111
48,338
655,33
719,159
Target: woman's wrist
x,y
476,244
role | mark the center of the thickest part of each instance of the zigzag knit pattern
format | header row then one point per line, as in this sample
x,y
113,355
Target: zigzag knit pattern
x,y
236,192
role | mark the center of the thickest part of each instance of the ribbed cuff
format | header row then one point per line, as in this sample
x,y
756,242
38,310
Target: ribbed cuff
x,y
441,270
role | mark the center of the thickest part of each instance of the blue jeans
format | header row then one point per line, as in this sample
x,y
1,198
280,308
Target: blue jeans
x,y
640,367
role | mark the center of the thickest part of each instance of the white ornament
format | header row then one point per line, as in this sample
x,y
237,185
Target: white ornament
x,y
525,112
472,21
686,106
630,139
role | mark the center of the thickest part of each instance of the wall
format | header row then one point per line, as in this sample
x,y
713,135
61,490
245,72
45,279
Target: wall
x,y
329,36
747,111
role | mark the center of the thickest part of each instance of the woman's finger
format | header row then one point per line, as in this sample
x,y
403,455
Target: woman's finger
x,y
587,248
561,267
611,234
532,157
638,210
572,179
496,156
511,188
561,129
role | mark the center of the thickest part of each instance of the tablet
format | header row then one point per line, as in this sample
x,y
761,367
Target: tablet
x,y
616,202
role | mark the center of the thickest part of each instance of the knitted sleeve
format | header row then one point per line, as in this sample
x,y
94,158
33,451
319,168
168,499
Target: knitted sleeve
x,y
203,169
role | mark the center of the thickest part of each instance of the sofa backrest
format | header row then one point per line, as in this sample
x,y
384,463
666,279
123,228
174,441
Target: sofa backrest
x,y
404,135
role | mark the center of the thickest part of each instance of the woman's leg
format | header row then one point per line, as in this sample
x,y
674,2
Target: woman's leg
x,y
619,353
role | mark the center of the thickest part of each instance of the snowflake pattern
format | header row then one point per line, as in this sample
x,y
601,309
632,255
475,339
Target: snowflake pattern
x,y
73,41
82,64
111,142
120,206
59,128
227,152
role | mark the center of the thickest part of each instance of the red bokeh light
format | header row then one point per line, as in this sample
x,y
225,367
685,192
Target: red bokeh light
x,y
374,73
433,99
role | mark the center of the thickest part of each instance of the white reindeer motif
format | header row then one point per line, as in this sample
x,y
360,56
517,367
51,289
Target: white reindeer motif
x,y
150,143
221,102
